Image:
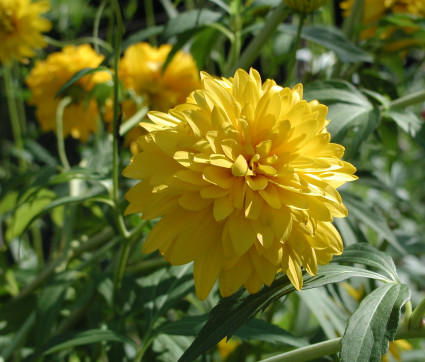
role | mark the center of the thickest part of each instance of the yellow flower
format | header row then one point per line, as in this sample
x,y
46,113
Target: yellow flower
x,y
245,178
305,6
227,347
373,10
140,70
21,27
395,348
48,76
414,7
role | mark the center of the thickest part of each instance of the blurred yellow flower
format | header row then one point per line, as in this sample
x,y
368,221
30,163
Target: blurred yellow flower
x,y
21,27
305,6
140,70
414,7
395,348
48,76
227,347
245,178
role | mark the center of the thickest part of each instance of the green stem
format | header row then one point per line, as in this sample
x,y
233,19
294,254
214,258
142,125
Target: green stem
x,y
13,113
416,319
96,24
235,47
405,323
315,351
150,19
115,123
253,50
144,346
353,19
406,101
38,245
293,57
122,263
59,132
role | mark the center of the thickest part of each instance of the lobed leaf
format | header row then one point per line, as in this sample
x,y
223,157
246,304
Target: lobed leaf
x,y
374,324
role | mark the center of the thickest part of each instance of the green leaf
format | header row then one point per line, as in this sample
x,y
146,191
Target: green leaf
x,y
366,254
406,120
142,35
190,21
170,348
28,212
348,108
374,324
74,339
232,312
260,330
165,288
49,303
77,76
332,39
368,216
188,326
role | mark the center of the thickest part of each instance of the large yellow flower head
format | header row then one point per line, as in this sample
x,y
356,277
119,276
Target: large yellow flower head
x,y
305,6
47,78
245,178
141,70
21,27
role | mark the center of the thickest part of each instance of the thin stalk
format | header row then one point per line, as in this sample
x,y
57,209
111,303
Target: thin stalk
x,y
122,263
150,19
14,114
315,351
416,319
59,132
147,340
115,122
253,50
406,101
96,24
293,57
19,100
236,44
38,245
353,19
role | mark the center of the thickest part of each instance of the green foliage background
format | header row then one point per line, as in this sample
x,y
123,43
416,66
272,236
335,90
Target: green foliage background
x,y
73,282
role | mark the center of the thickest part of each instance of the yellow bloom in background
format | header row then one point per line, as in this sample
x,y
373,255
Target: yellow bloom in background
x,y
21,27
373,10
395,348
227,347
305,6
140,70
414,7
48,76
245,178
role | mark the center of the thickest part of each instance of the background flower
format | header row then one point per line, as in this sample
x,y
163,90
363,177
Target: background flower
x,y
245,178
21,27
141,72
48,76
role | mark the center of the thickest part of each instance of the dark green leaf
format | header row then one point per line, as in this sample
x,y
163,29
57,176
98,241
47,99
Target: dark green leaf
x,y
70,340
234,311
366,254
77,76
165,288
260,330
374,324
49,303
189,21
188,326
142,35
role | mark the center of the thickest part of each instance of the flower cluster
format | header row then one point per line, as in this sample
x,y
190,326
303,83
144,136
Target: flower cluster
x,y
47,78
244,177
21,27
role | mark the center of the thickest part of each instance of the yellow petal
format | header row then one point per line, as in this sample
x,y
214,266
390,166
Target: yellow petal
x,y
223,207
241,234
